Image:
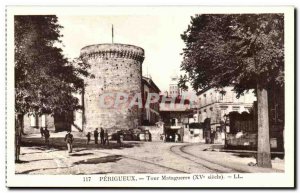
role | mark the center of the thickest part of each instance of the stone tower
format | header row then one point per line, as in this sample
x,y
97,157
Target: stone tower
x,y
117,68
174,90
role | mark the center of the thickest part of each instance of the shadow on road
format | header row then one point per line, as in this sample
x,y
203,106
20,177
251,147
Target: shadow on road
x,y
110,158
58,143
80,154
33,170
27,171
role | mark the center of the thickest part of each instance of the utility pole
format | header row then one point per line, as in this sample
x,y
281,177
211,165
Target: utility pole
x,y
112,33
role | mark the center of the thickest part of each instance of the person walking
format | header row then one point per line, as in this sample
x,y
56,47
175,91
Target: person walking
x,y
106,140
69,140
96,134
102,136
88,136
47,136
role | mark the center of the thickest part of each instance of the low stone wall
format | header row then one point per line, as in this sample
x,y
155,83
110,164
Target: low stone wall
x,y
248,141
241,141
193,136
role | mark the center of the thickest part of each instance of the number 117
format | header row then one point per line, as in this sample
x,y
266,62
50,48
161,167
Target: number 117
x,y
86,179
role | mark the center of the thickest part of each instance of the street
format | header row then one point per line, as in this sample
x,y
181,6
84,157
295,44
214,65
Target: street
x,y
131,157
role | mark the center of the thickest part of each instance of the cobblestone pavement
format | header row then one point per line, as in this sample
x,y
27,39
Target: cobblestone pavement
x,y
131,157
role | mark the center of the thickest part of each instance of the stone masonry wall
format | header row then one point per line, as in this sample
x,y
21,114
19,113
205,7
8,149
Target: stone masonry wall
x,y
117,68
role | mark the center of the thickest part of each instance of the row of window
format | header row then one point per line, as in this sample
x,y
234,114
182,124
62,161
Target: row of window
x,y
204,110
173,87
34,121
173,92
205,99
223,108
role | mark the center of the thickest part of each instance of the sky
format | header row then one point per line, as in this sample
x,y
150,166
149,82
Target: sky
x,y
158,35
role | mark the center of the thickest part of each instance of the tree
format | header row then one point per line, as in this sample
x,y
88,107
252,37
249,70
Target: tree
x,y
243,50
44,79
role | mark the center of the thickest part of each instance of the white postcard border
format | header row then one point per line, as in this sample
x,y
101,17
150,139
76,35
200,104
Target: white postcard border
x,y
285,179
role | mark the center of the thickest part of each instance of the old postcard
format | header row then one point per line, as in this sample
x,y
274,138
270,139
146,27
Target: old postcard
x,y
179,96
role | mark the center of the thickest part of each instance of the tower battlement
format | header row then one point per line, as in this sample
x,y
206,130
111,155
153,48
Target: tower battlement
x,y
113,51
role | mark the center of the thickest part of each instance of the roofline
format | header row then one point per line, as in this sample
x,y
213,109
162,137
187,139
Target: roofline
x,y
210,87
144,78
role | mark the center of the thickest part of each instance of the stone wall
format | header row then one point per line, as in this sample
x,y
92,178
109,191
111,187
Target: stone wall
x,y
242,141
117,68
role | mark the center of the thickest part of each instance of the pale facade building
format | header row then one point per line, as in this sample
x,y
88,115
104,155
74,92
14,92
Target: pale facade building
x,y
174,90
214,104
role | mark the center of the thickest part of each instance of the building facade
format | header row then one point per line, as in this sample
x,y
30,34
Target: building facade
x,y
32,123
174,90
215,104
151,112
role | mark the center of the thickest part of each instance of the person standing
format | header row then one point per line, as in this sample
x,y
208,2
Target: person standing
x,y
88,136
119,138
69,140
106,137
212,136
96,134
102,136
42,132
176,138
47,136
147,136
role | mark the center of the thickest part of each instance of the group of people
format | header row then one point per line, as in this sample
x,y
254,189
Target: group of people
x,y
69,137
175,137
210,135
45,133
103,136
170,138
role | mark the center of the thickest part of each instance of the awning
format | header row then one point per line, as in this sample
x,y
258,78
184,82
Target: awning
x,y
175,127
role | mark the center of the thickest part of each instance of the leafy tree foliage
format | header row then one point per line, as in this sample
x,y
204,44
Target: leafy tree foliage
x,y
44,79
242,50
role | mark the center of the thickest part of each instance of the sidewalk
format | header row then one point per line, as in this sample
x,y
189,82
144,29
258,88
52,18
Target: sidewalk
x,y
57,141
37,158
238,160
